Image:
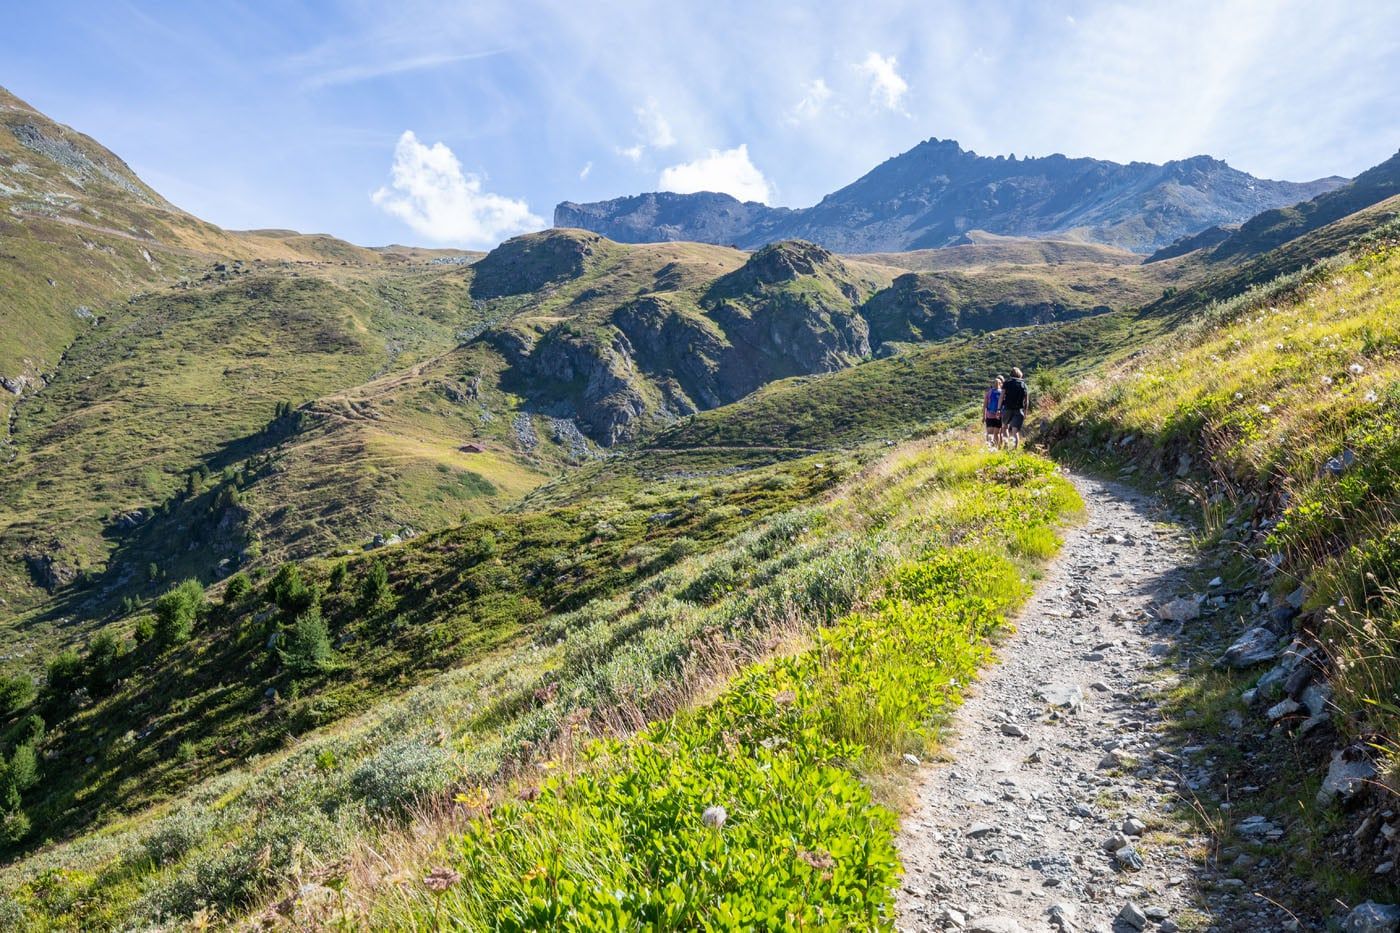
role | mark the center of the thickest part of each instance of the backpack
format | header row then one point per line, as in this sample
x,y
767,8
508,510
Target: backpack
x,y
1014,394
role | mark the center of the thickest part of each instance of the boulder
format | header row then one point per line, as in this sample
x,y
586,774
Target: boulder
x,y
1371,917
1069,696
1253,647
1348,773
1181,609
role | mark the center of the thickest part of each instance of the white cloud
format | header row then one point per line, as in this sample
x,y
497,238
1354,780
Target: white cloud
x,y
430,192
655,128
887,87
815,95
631,152
730,171
584,172
364,71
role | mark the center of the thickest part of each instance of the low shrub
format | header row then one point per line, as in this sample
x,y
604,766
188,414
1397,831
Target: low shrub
x,y
402,773
749,812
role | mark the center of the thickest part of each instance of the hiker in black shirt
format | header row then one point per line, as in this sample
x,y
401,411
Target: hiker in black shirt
x,y
1015,396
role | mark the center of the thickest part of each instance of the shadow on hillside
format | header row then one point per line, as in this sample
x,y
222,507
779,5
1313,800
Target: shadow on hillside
x,y
184,537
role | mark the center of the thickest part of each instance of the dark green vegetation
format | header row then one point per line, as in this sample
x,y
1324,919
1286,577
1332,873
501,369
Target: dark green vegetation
x,y
885,399
210,684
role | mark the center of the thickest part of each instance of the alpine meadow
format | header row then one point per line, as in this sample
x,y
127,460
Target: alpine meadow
x,y
992,544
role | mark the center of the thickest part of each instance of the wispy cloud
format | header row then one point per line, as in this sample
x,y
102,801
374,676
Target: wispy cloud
x,y
350,74
815,96
584,172
655,128
887,85
430,192
730,171
652,131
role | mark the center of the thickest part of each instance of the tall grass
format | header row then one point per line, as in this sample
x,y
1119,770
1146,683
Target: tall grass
x,y
327,813
749,811
1287,399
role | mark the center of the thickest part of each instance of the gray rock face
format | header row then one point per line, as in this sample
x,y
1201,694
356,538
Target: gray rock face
x,y
50,570
933,194
791,310
1253,647
1371,917
1346,776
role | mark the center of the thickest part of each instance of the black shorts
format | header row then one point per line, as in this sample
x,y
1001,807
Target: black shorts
x,y
1013,419
993,422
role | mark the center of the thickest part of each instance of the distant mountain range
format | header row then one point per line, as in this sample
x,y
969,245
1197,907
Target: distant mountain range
x,y
936,193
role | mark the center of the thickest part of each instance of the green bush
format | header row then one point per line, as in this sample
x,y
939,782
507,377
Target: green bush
x,y
65,672
16,692
23,768
175,835
375,594
144,630
237,589
402,773
176,611
14,826
308,643
290,592
103,654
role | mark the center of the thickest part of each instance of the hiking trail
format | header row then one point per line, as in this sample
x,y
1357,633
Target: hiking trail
x,y
1060,748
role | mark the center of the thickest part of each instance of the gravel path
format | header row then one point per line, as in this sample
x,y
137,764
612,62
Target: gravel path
x,y
1060,748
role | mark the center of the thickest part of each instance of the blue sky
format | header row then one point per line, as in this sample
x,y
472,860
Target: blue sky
x,y
463,123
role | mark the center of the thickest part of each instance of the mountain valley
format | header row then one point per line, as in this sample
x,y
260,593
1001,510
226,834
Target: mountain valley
x,y
327,569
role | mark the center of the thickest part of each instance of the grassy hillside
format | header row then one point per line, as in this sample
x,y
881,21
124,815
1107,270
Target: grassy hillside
x,y
1274,228
663,608
1278,411
889,398
988,250
188,380
80,232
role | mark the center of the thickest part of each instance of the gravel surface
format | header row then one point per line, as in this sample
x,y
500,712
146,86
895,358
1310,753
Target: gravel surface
x,y
1054,811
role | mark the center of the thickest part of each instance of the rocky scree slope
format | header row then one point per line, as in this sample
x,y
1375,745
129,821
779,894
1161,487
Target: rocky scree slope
x,y
936,193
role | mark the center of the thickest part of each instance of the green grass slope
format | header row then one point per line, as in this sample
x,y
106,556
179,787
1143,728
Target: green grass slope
x,y
188,379
663,603
887,399
1279,412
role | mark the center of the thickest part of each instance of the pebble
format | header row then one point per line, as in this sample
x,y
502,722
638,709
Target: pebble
x,y
1131,916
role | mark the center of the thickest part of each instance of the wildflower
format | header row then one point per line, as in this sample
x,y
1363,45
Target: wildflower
x,y
785,698
440,879
1356,369
714,817
1265,409
1370,397
1238,396
1327,380
818,860
1278,346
